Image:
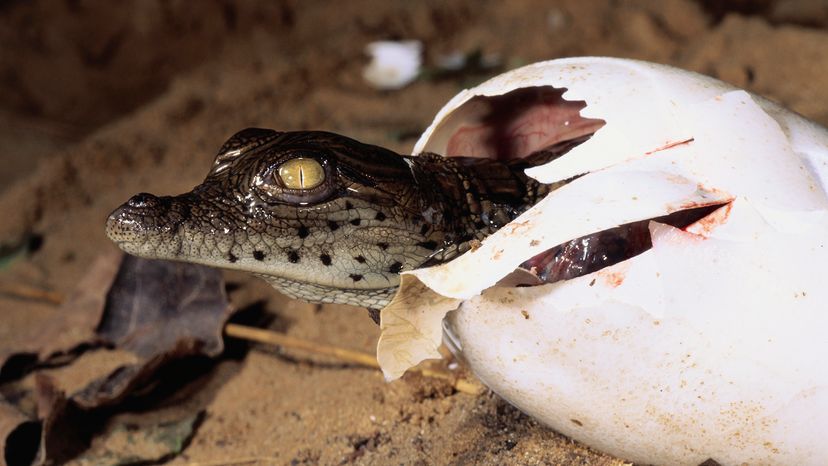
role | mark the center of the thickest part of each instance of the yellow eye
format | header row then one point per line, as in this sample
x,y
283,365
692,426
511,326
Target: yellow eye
x,y
301,173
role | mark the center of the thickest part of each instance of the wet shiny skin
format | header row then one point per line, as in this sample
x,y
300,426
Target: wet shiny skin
x,y
344,236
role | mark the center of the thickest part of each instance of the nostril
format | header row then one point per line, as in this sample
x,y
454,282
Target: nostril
x,y
142,200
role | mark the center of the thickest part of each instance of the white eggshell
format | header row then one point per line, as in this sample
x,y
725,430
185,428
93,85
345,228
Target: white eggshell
x,y
711,344
393,64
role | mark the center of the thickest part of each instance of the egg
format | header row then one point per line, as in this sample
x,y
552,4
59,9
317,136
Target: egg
x,y
709,344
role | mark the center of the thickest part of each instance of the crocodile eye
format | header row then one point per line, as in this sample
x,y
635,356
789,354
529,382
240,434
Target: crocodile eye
x,y
301,173
298,180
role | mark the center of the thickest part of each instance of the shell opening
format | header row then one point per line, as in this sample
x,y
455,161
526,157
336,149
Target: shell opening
x,y
521,123
591,253
512,125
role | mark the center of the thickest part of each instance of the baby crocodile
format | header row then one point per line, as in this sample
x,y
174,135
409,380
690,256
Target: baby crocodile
x,y
328,219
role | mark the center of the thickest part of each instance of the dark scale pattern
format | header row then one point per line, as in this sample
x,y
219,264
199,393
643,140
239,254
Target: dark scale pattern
x,y
387,212
373,298
430,245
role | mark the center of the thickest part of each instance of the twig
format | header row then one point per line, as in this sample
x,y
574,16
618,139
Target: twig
x,y
246,460
271,338
27,292
461,385
355,357
280,339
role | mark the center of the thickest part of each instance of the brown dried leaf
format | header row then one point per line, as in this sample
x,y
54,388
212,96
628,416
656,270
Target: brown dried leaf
x,y
74,322
66,429
126,380
160,311
155,307
134,442
19,436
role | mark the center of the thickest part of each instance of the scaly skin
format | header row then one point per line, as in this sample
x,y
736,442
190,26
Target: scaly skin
x,y
377,214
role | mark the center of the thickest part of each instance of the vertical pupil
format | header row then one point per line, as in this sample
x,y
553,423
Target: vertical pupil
x,y
301,173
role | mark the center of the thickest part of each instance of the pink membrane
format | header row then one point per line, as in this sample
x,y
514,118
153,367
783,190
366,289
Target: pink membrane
x,y
520,123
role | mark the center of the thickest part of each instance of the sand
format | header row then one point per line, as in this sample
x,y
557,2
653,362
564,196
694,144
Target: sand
x,y
103,102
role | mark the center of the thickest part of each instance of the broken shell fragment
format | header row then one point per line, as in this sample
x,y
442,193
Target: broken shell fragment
x,y
709,342
393,64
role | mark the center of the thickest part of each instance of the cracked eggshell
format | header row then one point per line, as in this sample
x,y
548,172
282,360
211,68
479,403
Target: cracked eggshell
x,y
709,345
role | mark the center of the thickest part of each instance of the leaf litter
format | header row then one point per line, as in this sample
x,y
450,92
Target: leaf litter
x,y
156,314
152,321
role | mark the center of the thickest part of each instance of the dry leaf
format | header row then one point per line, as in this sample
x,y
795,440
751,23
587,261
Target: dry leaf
x,y
159,306
19,436
133,442
73,325
160,311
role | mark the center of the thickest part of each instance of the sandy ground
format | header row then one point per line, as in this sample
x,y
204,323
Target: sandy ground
x,y
104,102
